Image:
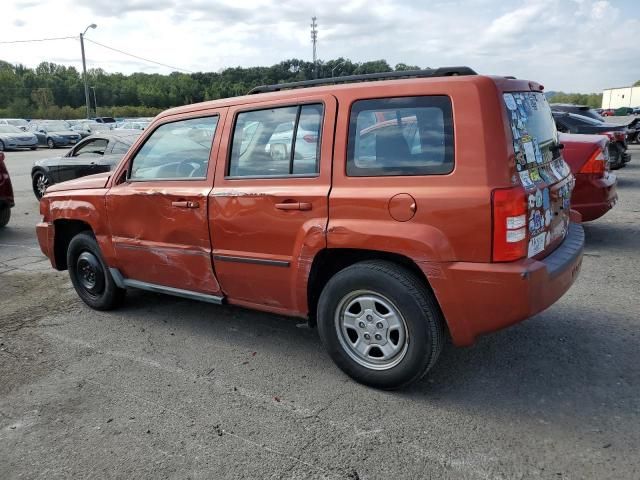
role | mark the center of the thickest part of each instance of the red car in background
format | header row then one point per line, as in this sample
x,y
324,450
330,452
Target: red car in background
x,y
595,192
6,193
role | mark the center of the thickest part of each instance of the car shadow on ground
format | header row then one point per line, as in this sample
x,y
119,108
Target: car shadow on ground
x,y
603,236
558,364
559,361
626,182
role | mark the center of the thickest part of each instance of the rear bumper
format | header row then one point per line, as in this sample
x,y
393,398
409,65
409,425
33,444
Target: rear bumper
x,y
478,298
593,197
45,232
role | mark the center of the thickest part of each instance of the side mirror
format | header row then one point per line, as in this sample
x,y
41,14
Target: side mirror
x,y
42,131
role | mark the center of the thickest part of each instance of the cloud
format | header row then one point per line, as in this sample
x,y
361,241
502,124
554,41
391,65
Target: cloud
x,y
576,45
119,8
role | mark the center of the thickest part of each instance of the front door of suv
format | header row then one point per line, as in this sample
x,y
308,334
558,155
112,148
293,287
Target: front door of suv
x,y
270,201
158,210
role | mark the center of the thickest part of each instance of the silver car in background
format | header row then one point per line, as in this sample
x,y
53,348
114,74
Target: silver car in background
x,y
21,123
12,138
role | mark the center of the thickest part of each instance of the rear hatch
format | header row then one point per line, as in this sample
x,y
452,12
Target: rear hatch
x,y
542,171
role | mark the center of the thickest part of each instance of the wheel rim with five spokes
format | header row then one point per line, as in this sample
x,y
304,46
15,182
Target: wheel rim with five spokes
x,y
371,330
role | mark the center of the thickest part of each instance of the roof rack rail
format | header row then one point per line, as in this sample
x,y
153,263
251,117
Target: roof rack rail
x,y
430,72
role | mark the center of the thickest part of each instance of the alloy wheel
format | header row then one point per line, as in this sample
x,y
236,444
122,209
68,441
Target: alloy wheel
x,y
371,330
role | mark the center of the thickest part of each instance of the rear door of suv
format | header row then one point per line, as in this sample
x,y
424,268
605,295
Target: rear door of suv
x,y
543,172
269,204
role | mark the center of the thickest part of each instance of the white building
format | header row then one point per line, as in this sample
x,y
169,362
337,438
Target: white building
x,y
621,97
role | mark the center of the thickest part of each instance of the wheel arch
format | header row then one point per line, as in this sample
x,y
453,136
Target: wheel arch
x,y
65,230
329,261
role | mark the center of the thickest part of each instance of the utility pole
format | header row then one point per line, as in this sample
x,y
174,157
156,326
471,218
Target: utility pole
x,y
314,41
84,68
95,102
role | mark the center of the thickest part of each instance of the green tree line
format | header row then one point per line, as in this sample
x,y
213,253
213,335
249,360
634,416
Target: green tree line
x,y
591,99
57,91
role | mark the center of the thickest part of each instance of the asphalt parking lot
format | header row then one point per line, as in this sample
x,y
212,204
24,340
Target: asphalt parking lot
x,y
172,388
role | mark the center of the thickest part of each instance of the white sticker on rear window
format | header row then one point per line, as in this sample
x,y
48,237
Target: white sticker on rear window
x,y
510,101
526,180
536,245
529,151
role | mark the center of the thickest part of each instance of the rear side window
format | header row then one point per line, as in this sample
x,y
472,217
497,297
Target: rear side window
x,y
400,136
176,150
276,142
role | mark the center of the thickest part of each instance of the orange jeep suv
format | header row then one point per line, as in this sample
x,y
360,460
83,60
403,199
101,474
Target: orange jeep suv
x,y
390,210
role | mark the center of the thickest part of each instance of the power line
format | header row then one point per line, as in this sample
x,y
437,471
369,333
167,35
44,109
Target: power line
x,y
36,40
138,57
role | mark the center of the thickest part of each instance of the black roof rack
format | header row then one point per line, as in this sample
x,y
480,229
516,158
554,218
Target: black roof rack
x,y
430,72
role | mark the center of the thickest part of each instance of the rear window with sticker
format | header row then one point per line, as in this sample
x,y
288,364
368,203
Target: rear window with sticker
x,y
542,171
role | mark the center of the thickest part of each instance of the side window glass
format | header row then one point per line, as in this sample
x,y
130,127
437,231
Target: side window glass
x,y
176,150
307,146
94,147
401,136
276,142
120,148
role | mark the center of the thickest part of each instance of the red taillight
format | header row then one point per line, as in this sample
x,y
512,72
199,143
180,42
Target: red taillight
x,y
597,163
310,138
509,224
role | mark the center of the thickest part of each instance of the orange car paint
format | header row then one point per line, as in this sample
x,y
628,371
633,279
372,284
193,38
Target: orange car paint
x,y
441,223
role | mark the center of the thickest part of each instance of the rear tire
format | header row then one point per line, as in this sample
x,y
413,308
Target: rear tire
x,y
90,275
5,215
1,146
380,324
51,143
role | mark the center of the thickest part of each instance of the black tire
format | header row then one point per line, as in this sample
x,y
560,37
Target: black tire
x,y
83,258
1,146
39,179
5,215
51,143
33,148
412,300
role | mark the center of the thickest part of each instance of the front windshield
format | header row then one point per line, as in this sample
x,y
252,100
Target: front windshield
x,y
56,126
9,129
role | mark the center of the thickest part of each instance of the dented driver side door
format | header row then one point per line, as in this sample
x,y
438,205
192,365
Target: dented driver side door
x,y
157,211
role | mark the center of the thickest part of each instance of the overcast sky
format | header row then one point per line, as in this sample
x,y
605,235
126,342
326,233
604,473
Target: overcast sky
x,y
569,45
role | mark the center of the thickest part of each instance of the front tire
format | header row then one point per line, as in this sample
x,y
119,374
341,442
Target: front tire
x,y
380,324
51,143
5,215
90,275
39,182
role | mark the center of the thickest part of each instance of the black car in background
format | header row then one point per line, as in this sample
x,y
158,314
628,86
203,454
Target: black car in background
x,y
97,153
572,123
583,110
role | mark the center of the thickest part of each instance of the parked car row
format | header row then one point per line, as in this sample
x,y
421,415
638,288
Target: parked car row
x,y
610,112
16,133
584,120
